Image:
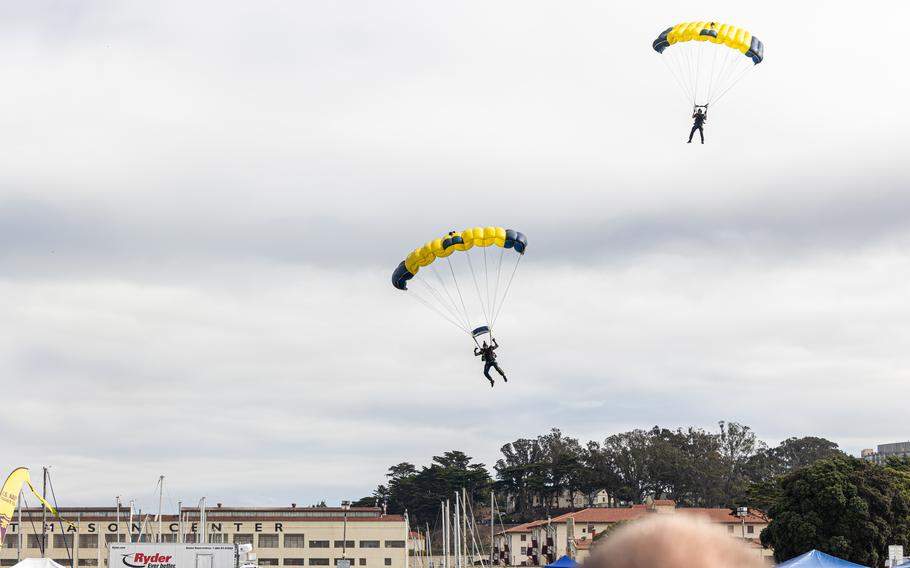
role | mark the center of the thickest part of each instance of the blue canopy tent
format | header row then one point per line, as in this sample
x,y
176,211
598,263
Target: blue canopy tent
x,y
563,562
817,559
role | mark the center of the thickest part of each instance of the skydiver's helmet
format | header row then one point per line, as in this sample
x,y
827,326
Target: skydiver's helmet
x,y
700,111
485,345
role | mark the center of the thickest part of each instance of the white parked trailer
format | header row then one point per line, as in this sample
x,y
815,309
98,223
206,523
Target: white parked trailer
x,y
172,555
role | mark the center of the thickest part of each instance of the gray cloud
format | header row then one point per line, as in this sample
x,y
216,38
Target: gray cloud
x,y
200,208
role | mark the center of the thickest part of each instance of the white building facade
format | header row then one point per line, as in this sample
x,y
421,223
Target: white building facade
x,y
286,536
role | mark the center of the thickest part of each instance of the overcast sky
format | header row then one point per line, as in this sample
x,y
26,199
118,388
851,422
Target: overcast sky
x,y
201,204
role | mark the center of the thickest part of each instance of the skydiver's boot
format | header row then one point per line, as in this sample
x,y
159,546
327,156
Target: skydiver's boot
x,y
491,383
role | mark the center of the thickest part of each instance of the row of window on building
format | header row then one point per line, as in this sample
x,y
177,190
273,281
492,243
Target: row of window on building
x,y
264,541
262,562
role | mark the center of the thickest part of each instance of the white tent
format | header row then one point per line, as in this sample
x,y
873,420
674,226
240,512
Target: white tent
x,y
38,563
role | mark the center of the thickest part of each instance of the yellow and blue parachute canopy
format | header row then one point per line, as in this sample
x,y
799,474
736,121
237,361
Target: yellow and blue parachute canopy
x,y
729,35
452,242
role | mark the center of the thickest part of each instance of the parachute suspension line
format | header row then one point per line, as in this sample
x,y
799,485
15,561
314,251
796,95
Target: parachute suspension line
x,y
458,289
691,73
730,65
700,50
496,289
679,82
508,286
423,301
486,278
454,307
679,61
713,68
483,306
451,307
733,84
452,310
729,59
451,315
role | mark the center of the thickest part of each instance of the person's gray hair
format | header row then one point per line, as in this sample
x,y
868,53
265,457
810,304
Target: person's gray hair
x,y
673,540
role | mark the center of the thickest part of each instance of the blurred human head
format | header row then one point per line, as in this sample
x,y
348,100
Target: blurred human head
x,y
672,541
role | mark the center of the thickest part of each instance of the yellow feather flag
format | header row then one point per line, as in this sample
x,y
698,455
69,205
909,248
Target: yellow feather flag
x,y
9,498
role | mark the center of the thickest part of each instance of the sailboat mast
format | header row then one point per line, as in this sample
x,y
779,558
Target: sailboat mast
x,y
456,522
160,501
19,547
492,524
445,534
44,514
202,519
429,547
464,523
129,529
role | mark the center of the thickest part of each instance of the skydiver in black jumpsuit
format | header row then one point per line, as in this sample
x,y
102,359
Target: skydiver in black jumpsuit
x,y
700,119
489,357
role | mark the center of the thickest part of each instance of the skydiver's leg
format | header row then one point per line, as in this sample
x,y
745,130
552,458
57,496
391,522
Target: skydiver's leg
x,y
498,370
486,372
701,132
692,133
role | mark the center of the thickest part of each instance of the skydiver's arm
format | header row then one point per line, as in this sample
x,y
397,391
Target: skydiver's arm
x,y
476,352
495,345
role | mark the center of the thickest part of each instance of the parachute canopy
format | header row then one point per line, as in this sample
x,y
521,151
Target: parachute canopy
x,y
461,275
708,58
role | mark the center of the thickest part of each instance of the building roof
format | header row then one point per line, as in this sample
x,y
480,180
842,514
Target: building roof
x,y
610,515
523,528
219,514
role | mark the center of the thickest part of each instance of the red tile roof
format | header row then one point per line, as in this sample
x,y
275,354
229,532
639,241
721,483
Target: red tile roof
x,y
518,529
609,515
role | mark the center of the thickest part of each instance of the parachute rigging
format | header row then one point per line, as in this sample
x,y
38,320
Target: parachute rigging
x,y
707,59
462,277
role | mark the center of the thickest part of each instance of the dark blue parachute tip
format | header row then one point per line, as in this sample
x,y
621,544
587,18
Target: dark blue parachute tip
x,y
480,331
400,277
521,242
452,241
516,240
756,51
661,43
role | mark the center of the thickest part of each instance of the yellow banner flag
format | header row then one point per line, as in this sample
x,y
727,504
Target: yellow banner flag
x,y
9,498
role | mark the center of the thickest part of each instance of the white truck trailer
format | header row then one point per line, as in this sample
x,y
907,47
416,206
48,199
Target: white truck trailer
x,y
176,555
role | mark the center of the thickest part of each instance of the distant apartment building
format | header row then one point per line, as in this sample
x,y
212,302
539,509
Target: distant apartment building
x,y
565,500
281,536
541,542
885,451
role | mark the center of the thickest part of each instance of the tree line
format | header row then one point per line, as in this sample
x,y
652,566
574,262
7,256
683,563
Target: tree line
x,y
692,466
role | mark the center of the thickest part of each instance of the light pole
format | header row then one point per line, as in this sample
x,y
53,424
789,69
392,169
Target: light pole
x,y
345,505
741,512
